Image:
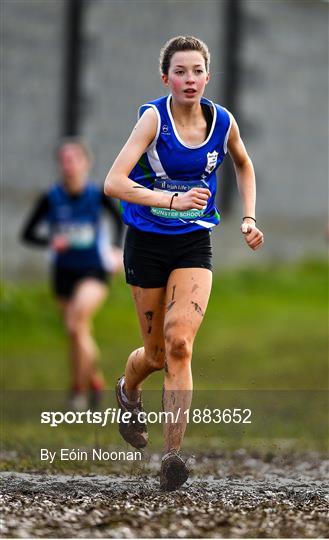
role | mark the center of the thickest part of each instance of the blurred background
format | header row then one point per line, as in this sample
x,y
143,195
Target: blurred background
x,y
83,67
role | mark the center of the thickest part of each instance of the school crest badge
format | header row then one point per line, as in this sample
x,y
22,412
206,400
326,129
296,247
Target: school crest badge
x,y
211,161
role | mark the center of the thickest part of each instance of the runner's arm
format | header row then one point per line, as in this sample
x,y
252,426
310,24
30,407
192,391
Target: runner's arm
x,y
118,184
245,177
244,170
29,232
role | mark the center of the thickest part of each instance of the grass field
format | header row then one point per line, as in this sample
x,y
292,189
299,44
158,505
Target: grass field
x,y
264,328
264,340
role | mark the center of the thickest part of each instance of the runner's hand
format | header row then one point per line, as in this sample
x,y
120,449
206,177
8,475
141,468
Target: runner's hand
x,y
194,199
116,259
252,235
59,243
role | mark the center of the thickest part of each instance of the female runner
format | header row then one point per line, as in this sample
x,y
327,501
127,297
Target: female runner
x,y
166,177
73,209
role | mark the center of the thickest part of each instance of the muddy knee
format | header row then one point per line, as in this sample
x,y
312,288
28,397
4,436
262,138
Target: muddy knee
x,y
178,348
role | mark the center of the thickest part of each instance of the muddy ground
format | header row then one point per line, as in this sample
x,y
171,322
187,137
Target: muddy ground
x,y
229,495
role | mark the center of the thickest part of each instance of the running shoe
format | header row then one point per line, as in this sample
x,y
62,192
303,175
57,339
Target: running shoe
x,y
77,401
173,472
134,431
95,398
96,391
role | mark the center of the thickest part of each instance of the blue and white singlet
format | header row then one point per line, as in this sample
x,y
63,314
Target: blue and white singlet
x,y
170,165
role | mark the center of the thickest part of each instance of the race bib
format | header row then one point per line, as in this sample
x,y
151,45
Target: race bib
x,y
180,187
78,235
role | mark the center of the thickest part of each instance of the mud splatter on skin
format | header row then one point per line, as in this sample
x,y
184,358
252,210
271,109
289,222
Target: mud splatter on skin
x,y
171,305
194,288
166,367
197,308
158,350
172,398
149,317
173,292
172,301
136,354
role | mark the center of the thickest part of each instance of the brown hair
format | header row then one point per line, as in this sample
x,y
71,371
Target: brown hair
x,y
182,43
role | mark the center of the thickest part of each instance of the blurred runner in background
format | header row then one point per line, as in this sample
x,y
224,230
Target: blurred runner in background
x,y
82,260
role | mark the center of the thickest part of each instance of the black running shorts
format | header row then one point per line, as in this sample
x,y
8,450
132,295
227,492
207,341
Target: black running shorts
x,y
149,258
64,280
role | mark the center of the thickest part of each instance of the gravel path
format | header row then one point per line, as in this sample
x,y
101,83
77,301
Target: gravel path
x,y
238,495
